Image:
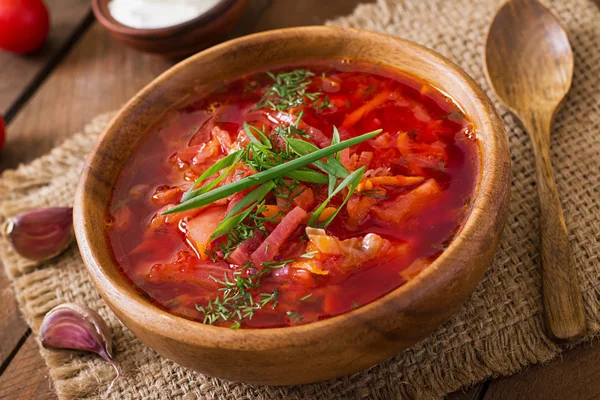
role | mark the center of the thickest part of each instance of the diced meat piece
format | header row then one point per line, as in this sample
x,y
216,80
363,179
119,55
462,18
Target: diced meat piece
x,y
270,247
200,229
406,205
241,255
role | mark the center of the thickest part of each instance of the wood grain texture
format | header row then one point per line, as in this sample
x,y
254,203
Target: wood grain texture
x,y
26,378
12,325
19,71
573,376
97,76
330,348
530,65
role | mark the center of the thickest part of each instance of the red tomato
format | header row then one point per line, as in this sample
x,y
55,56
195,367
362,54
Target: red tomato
x,y
1,132
24,25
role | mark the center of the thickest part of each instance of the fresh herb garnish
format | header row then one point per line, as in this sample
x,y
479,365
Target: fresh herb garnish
x,y
293,315
310,254
237,301
453,115
308,296
265,176
288,90
351,181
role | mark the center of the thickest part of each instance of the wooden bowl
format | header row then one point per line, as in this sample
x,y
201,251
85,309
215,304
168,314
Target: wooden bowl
x,y
177,40
340,345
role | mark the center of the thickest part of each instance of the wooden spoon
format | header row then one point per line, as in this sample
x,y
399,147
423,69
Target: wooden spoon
x,y
529,64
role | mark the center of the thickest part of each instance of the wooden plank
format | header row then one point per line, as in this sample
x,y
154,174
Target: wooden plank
x,y
12,325
97,76
26,377
18,72
573,376
473,393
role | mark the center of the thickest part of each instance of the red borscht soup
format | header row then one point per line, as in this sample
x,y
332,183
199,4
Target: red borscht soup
x,y
289,196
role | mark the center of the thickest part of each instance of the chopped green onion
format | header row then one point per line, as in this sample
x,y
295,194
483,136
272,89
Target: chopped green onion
x,y
227,161
352,180
265,176
307,176
252,198
331,167
263,143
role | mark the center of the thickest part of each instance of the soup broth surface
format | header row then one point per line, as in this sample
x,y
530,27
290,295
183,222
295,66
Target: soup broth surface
x,y
291,259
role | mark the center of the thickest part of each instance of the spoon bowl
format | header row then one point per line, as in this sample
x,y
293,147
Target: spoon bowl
x,y
529,63
528,56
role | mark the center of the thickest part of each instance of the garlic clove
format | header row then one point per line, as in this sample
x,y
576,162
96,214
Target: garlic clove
x,y
41,234
76,327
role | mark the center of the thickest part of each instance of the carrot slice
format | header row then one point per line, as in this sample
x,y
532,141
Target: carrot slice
x,y
327,212
351,119
271,211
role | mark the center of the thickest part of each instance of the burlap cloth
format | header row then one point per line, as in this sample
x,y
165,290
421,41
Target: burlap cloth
x,y
497,332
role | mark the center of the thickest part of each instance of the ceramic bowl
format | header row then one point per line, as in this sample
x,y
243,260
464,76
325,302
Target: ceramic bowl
x,y
177,40
340,345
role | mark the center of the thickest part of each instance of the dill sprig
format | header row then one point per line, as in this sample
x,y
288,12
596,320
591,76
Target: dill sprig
x,y
289,90
294,316
237,301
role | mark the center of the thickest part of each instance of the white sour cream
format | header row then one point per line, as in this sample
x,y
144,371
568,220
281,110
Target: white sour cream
x,y
153,14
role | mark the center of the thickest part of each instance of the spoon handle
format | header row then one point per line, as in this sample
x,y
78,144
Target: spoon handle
x,y
563,304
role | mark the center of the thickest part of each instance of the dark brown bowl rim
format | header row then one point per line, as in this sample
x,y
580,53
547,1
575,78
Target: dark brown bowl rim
x,y
194,333
100,9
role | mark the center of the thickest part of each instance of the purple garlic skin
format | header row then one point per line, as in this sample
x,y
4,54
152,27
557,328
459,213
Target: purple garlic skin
x,y
41,234
76,327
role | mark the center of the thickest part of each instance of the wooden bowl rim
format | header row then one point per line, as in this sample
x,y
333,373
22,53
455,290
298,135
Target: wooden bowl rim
x,y
100,9
491,182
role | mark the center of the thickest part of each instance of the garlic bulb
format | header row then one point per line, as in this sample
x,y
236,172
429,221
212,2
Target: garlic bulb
x,y
41,234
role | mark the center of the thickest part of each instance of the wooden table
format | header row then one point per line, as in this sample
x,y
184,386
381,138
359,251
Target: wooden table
x,y
82,72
